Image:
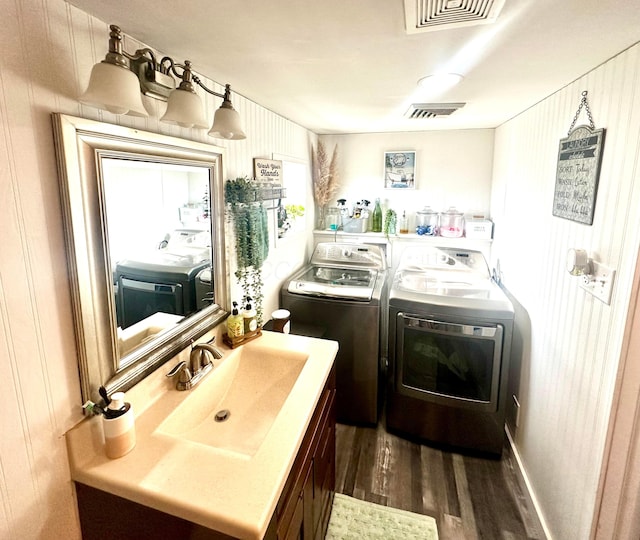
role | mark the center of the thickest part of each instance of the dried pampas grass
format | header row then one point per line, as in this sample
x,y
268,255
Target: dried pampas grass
x,y
325,174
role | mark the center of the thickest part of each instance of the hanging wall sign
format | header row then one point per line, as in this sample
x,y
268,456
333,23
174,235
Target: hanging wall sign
x,y
578,171
268,170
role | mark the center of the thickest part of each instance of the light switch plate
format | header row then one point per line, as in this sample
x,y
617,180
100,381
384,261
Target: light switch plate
x,y
600,282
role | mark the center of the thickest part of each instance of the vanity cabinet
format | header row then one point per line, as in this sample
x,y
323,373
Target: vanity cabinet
x,y
302,511
304,507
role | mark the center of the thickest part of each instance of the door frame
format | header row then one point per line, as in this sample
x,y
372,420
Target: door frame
x,y
617,510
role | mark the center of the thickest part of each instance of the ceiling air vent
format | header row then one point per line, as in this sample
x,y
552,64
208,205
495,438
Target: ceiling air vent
x,y
430,15
431,110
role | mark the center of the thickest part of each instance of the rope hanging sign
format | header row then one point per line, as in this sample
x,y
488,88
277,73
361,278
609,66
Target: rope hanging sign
x,y
578,170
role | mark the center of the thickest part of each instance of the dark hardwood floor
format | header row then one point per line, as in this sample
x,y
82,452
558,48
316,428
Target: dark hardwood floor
x,y
470,497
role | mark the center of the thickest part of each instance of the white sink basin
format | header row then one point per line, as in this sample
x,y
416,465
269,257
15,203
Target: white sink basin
x,y
246,392
144,330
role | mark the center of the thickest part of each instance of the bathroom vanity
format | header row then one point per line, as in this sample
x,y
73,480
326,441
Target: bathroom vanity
x,y
268,473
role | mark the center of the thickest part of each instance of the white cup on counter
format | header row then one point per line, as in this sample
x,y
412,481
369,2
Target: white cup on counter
x,y
281,321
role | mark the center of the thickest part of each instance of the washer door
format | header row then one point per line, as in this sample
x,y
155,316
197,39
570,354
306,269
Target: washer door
x,y
348,283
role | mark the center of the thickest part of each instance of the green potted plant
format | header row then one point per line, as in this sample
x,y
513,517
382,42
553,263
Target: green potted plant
x,y
251,232
390,219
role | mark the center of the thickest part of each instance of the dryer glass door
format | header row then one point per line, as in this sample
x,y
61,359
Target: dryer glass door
x,y
449,363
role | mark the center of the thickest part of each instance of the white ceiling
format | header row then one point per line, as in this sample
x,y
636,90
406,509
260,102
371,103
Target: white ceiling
x,y
349,66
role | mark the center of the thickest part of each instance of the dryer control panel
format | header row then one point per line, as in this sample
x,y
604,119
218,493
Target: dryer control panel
x,y
444,258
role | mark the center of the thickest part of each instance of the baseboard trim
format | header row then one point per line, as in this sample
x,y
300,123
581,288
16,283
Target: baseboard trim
x,y
525,479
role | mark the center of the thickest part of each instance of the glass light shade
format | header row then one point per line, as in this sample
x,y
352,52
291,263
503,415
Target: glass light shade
x,y
185,109
115,89
226,124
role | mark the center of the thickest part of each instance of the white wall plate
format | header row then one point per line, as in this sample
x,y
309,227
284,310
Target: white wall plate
x,y
600,282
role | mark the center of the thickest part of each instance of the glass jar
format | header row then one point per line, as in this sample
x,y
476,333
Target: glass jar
x,y
452,223
426,222
332,219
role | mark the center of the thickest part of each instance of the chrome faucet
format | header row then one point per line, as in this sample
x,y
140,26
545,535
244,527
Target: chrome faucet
x,y
200,363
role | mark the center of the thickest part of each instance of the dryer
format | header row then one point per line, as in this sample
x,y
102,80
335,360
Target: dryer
x,y
450,328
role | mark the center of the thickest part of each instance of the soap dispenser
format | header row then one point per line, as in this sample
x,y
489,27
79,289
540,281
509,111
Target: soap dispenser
x,y
249,314
235,323
404,226
119,427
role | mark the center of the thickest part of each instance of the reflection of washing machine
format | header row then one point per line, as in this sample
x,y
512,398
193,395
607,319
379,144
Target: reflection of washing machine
x,y
450,330
168,280
341,292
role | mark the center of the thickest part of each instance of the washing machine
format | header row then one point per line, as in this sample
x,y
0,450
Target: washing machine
x,y
450,330
340,293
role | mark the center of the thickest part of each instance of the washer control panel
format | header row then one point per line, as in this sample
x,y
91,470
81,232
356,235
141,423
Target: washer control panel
x,y
358,255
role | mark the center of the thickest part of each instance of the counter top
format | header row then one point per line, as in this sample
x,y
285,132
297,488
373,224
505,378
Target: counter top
x,y
230,492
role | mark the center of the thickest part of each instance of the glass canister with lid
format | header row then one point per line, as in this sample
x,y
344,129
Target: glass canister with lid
x,y
426,222
452,223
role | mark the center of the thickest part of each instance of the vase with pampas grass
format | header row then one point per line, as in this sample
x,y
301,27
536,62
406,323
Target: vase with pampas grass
x,y
325,180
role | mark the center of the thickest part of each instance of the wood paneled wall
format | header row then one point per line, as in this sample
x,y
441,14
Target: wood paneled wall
x,y
568,375
48,49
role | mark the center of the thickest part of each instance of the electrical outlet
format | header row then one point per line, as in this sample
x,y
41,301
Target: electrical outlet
x,y
600,282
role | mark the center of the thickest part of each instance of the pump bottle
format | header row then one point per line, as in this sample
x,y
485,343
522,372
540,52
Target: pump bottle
x,y
235,323
249,314
119,427
404,227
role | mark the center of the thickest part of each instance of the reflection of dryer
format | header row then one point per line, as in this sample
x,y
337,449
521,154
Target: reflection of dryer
x,y
163,280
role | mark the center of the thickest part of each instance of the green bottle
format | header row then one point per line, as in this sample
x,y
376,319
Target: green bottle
x,y
376,218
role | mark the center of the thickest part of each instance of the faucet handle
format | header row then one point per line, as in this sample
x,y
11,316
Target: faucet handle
x,y
182,370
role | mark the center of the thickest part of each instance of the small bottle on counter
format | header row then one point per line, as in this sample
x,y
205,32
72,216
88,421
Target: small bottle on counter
x,y
344,212
376,218
119,427
235,323
365,209
403,225
249,316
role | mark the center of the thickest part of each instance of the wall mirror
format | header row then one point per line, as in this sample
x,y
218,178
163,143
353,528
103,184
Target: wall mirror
x,y
144,222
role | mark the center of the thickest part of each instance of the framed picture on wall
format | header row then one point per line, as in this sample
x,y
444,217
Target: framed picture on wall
x,y
400,170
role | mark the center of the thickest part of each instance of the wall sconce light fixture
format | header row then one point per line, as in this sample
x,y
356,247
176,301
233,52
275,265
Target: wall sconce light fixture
x,y
117,81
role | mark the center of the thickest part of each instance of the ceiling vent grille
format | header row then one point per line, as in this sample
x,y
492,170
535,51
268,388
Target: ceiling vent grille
x,y
430,15
419,111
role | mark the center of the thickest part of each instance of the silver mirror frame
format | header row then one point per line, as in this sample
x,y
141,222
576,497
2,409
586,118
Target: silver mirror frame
x,y
80,145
